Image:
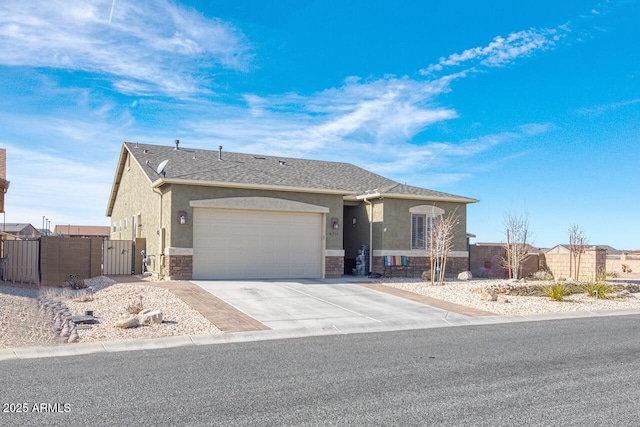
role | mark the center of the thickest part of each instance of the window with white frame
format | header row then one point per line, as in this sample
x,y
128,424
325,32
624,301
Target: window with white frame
x,y
421,226
422,220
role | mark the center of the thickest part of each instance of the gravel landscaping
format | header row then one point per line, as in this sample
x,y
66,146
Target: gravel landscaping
x,y
468,293
23,322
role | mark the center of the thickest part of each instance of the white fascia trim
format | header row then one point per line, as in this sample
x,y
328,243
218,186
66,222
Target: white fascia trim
x,y
458,199
259,204
161,181
417,253
178,251
333,252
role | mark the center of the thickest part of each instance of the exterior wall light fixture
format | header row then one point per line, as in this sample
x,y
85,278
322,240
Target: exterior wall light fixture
x,y
335,224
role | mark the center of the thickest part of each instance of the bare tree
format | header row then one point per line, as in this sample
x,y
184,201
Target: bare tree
x,y
441,239
516,228
577,243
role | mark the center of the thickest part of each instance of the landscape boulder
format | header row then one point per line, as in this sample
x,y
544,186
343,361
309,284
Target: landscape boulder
x,y
127,321
149,316
502,299
465,275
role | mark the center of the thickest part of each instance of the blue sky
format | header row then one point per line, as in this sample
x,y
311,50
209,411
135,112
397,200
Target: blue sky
x,y
530,108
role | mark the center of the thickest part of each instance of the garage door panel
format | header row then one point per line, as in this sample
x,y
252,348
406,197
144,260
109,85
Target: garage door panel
x,y
251,244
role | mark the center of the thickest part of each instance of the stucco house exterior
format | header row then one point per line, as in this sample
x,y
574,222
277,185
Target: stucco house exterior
x,y
211,214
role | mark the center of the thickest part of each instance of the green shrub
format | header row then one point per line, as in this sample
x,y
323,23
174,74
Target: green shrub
x,y
556,291
599,289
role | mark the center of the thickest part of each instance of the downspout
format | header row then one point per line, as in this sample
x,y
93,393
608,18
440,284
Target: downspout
x,y
160,236
370,236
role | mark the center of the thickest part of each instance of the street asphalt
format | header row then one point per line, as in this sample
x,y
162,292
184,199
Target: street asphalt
x,y
573,372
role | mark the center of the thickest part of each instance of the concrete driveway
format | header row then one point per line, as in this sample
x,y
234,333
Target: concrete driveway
x,y
329,304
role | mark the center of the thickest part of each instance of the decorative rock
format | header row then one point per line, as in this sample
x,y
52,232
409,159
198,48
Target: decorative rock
x,y
426,276
465,275
127,321
73,337
149,315
502,299
65,330
487,295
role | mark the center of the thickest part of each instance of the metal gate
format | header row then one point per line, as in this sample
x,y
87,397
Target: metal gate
x,y
117,256
20,261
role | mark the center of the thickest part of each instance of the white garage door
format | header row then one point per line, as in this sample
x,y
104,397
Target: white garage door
x,y
234,244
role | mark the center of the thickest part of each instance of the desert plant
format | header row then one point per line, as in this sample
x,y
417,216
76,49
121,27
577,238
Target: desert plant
x,y
441,242
600,290
577,243
556,291
516,227
75,282
135,307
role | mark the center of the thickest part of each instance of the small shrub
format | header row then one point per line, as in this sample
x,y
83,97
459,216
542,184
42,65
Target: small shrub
x,y
75,282
599,289
556,291
135,308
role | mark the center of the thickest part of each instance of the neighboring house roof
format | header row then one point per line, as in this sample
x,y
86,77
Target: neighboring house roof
x,y
19,229
564,248
82,230
204,167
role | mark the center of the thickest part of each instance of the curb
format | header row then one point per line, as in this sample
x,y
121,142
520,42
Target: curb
x,y
239,337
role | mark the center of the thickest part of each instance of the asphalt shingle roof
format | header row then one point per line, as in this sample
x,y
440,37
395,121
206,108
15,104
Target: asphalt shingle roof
x,y
251,169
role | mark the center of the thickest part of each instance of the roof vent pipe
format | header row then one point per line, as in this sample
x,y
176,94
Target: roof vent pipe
x,y
177,144
219,152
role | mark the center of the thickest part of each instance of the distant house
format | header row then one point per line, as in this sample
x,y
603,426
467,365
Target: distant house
x,y
207,214
82,231
564,249
21,231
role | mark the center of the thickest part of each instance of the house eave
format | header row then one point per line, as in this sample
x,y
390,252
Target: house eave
x,y
455,199
162,181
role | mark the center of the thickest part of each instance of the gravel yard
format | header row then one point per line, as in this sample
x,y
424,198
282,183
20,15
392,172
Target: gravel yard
x,y
23,322
468,294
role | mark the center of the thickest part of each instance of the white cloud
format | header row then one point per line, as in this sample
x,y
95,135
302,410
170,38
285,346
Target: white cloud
x,y
55,185
502,50
153,46
603,109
